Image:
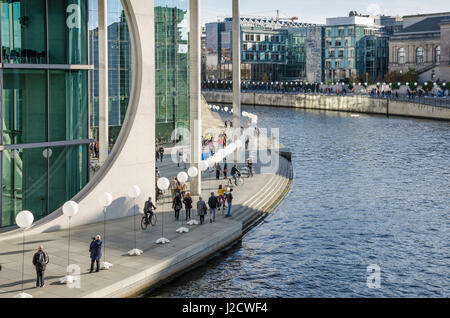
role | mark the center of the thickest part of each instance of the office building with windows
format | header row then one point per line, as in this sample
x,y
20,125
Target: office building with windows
x,y
356,47
271,49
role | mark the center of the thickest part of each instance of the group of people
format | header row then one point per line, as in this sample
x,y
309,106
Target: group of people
x,y
214,204
41,259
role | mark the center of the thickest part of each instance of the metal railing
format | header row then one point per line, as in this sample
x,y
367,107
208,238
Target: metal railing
x,y
431,100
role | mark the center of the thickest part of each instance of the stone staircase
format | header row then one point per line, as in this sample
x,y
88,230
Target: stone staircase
x,y
257,207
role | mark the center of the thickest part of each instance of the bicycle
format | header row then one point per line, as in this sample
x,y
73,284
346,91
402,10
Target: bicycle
x,y
240,180
145,224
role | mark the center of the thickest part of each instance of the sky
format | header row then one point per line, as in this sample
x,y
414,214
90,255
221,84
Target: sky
x,y
316,11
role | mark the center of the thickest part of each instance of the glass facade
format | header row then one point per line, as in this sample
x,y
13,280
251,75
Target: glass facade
x,y
172,67
119,68
44,110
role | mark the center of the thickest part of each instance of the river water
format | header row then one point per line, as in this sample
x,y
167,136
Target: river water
x,y
367,190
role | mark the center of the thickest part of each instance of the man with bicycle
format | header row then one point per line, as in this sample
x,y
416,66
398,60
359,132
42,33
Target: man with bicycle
x,y
235,173
148,210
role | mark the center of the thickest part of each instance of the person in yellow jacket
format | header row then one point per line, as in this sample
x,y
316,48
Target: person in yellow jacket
x,y
221,197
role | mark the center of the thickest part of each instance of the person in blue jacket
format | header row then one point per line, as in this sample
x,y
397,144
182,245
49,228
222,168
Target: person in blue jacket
x,y
96,252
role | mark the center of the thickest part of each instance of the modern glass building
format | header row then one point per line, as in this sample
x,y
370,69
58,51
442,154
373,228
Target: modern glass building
x,y
355,48
44,104
271,50
172,66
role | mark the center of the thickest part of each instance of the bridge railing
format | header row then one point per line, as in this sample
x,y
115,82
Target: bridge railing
x,y
431,100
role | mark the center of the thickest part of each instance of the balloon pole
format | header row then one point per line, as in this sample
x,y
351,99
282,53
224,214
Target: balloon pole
x,y
23,255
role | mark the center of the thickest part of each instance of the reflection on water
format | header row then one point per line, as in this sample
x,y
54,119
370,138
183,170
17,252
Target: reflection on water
x,y
367,190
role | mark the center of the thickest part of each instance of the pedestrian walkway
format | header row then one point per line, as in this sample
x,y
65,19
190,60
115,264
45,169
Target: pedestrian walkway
x,y
132,273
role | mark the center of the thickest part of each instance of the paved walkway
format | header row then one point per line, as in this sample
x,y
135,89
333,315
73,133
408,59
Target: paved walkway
x,y
120,238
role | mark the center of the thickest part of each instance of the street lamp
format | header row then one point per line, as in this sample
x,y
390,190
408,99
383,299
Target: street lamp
x,y
193,172
182,177
70,208
134,192
163,185
24,220
105,200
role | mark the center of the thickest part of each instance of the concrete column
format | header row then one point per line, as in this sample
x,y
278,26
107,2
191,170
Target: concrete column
x,y
195,92
236,33
103,134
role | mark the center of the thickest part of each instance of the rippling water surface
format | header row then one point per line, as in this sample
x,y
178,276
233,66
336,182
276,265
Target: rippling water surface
x,y
367,190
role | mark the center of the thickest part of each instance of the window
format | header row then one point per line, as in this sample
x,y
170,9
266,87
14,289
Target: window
x,y
331,53
419,55
401,56
337,64
341,32
351,31
23,31
437,54
341,53
337,43
258,38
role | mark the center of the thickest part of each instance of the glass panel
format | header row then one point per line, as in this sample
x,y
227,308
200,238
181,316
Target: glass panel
x,y
68,105
119,63
68,174
23,31
67,32
24,184
24,106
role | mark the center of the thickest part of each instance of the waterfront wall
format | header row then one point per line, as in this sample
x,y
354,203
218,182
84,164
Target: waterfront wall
x,y
354,103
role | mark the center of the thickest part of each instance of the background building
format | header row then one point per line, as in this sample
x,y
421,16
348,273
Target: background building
x,y
419,44
357,47
271,49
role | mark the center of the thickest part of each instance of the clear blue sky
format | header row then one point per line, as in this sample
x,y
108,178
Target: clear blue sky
x,y
316,11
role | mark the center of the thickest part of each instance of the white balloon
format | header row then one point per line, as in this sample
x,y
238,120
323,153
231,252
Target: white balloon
x,y
226,109
210,162
24,219
70,208
203,165
134,191
182,176
163,183
192,172
105,199
47,153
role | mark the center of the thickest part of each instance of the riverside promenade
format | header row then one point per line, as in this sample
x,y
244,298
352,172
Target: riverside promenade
x,y
132,275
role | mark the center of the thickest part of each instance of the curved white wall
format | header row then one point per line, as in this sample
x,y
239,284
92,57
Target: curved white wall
x,y
132,160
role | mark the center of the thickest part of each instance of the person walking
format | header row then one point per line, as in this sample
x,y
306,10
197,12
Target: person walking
x,y
213,203
235,174
225,168
229,201
250,166
221,197
218,169
177,187
177,205
188,205
161,152
173,187
96,252
183,189
148,210
202,209
40,261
